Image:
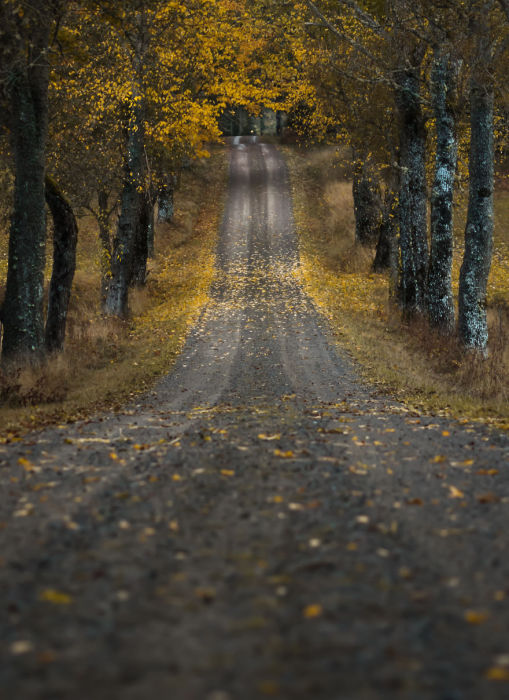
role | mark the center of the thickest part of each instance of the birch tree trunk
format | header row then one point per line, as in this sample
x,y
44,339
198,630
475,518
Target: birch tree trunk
x,y
65,238
22,311
440,300
472,321
412,196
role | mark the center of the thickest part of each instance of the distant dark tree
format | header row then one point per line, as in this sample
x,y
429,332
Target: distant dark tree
x,y
65,238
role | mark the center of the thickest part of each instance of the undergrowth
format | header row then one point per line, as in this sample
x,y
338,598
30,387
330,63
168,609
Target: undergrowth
x,y
108,361
405,359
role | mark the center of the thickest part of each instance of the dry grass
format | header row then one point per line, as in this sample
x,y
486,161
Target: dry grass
x,y
405,359
107,361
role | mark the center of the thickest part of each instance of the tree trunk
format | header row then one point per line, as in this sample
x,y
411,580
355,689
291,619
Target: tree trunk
x,y
128,221
151,223
22,311
65,238
472,321
440,300
138,274
103,219
367,204
386,248
412,197
166,207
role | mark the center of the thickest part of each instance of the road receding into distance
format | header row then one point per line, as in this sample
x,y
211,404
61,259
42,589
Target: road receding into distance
x,y
262,524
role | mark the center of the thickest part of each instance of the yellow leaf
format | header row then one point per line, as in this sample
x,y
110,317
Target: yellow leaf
x,y
439,459
287,455
263,436
176,477
26,464
475,617
50,595
497,673
312,611
455,493
227,472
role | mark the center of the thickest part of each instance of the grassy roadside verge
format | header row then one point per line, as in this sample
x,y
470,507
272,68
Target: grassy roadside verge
x,y
406,361
107,362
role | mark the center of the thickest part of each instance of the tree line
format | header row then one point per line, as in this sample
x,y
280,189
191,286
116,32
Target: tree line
x,y
419,92
104,100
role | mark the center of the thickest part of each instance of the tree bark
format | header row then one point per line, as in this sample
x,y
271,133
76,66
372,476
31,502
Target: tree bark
x,y
472,320
412,196
367,204
103,219
22,311
128,223
151,226
440,299
386,247
138,274
65,238
166,207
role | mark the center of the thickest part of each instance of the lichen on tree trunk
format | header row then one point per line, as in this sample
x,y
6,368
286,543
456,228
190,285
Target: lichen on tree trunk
x,y
472,319
439,291
165,202
412,196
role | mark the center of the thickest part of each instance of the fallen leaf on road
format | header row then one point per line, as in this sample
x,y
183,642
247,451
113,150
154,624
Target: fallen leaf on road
x,y
496,673
22,646
475,617
415,502
455,493
489,497
206,594
50,595
287,455
312,611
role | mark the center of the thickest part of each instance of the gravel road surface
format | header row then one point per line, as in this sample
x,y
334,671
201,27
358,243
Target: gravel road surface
x,y
262,524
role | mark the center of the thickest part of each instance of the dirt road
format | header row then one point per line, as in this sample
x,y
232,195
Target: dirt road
x,y
262,524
